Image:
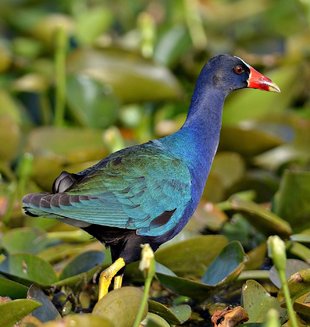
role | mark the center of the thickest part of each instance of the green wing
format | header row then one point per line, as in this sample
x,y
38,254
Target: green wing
x,y
141,188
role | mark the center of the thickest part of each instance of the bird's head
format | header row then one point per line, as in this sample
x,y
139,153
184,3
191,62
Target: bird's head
x,y
232,73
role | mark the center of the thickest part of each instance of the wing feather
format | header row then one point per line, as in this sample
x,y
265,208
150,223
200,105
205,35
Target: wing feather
x,y
129,189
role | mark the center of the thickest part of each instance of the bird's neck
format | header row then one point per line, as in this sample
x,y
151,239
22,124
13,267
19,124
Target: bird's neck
x,y
196,142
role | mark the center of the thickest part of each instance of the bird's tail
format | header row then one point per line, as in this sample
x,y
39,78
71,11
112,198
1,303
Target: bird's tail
x,y
35,203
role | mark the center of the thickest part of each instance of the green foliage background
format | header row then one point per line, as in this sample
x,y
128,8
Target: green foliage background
x,y
80,79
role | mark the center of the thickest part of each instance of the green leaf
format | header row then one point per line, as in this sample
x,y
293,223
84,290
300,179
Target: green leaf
x,y
226,162
91,22
10,136
190,257
154,320
261,218
298,283
82,263
248,139
12,289
174,315
120,306
29,267
193,289
257,302
226,266
299,250
292,267
291,202
79,280
47,311
9,107
25,240
91,104
78,320
132,78
55,147
172,45
296,151
13,311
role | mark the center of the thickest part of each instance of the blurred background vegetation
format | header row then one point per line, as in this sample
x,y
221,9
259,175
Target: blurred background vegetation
x,y
82,78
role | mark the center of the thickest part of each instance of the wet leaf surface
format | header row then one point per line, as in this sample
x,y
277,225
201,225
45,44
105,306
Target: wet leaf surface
x,y
148,81
228,264
47,311
257,301
173,315
86,320
189,257
292,199
120,305
11,288
260,217
91,104
292,267
29,267
13,311
82,263
25,240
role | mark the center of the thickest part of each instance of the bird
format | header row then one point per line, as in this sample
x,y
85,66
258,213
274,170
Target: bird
x,y
147,193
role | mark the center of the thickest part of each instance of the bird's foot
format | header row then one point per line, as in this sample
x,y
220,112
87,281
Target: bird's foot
x,y
107,275
118,280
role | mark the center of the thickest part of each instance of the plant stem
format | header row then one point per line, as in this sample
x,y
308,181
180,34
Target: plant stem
x,y
147,286
254,274
147,265
60,71
289,305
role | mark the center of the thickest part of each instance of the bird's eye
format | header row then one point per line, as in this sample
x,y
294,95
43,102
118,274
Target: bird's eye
x,y
238,69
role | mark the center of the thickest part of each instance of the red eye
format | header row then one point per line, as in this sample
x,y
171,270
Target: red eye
x,y
238,69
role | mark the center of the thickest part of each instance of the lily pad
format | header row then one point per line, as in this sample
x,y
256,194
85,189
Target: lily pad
x,y
54,148
295,151
47,311
29,267
227,265
120,306
85,320
92,22
9,137
12,289
90,103
192,256
257,302
148,81
193,289
248,139
299,250
174,315
13,311
292,267
80,279
154,320
256,257
175,42
302,306
299,284
291,202
82,263
261,218
25,240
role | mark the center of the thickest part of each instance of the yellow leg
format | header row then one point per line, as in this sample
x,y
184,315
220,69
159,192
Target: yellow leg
x,y
118,281
107,275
